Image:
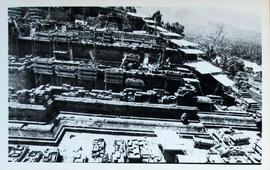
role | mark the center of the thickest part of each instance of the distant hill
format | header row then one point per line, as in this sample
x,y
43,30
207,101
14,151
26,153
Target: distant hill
x,y
202,21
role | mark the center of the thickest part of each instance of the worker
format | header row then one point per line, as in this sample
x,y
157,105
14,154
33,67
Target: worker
x,y
32,30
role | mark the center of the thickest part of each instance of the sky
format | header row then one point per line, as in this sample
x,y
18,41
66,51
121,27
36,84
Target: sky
x,y
241,22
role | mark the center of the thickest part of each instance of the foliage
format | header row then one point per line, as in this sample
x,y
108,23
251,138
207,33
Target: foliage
x,y
218,44
157,16
175,27
130,9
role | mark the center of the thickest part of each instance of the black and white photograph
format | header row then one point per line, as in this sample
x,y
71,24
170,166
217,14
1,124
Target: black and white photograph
x,y
125,84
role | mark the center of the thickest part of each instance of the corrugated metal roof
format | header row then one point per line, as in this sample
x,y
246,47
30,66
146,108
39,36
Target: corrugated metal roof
x,y
158,28
191,51
136,15
204,67
170,34
223,79
149,21
183,43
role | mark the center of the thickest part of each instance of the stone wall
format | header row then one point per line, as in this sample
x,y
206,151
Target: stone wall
x,y
96,106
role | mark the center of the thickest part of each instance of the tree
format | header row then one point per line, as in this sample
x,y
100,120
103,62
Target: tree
x,y
234,65
217,39
247,50
131,9
175,27
157,16
218,44
215,44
